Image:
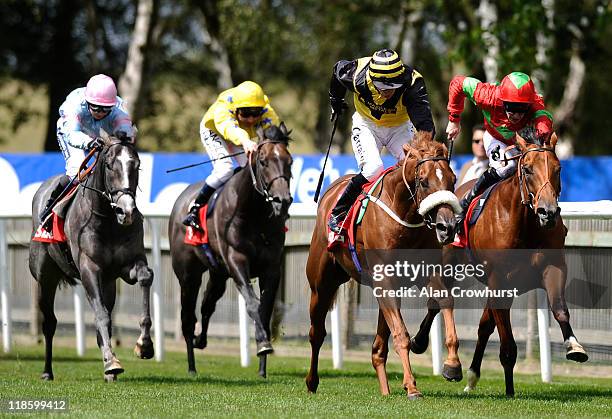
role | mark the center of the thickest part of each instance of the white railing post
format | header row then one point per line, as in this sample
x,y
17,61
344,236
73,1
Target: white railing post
x,y
336,339
435,336
243,325
158,290
79,318
5,289
544,334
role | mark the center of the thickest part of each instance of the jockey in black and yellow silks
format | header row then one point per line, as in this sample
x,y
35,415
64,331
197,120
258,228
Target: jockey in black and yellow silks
x,y
391,103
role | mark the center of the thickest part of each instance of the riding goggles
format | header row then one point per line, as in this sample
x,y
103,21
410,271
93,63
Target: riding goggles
x,y
516,107
98,108
383,85
250,112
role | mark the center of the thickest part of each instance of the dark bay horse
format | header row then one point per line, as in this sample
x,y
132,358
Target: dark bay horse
x,y
522,213
247,237
104,241
420,187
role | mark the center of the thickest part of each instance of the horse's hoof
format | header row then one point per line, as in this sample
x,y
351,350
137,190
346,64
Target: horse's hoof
x,y
472,380
577,356
575,351
110,378
262,374
415,396
113,366
453,374
264,348
47,376
144,349
192,373
200,342
415,348
312,384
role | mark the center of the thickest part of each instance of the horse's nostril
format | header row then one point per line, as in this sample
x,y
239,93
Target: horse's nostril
x,y
119,211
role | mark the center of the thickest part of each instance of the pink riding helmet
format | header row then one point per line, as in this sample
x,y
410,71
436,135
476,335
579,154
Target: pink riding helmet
x,y
101,90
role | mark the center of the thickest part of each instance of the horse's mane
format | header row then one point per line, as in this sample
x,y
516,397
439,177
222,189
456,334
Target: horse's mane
x,y
423,145
529,134
274,133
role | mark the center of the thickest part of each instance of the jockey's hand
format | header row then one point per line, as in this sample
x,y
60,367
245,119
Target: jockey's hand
x,y
97,143
249,146
453,129
338,105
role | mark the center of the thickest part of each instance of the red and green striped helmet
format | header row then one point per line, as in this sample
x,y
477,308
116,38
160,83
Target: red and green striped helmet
x,y
517,87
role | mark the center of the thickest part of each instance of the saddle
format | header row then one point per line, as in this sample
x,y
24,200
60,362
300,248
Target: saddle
x,y
353,219
471,217
51,229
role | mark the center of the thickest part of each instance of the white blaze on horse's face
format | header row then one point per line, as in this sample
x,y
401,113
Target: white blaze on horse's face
x,y
439,173
125,204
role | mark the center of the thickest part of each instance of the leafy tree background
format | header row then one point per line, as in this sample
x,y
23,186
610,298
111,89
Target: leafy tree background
x,y
171,58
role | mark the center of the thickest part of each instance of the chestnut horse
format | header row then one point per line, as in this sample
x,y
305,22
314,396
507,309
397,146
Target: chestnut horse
x,y
522,213
420,188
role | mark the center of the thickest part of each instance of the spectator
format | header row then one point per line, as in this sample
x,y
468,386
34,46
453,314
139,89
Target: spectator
x,y
475,167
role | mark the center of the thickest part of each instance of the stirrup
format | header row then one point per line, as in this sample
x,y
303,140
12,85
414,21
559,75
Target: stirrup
x,y
335,223
192,219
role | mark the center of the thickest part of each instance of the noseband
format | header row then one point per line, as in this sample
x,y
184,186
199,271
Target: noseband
x,y
256,175
429,222
108,194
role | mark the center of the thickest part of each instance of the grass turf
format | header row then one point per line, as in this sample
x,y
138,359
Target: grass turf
x,y
222,388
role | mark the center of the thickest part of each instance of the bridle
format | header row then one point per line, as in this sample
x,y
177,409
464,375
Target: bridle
x,y
256,175
112,195
527,197
428,219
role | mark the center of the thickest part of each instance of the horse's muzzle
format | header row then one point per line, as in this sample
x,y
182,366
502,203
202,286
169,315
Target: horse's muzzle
x,y
280,206
445,225
124,210
547,216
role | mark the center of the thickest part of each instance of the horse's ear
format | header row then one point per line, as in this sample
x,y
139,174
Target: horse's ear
x,y
407,149
260,132
283,128
105,136
553,140
521,143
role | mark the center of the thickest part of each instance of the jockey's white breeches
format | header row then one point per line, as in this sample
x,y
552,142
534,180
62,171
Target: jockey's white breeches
x,y
496,150
216,147
368,140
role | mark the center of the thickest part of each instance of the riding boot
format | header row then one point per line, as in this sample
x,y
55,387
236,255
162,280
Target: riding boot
x,y
55,195
193,218
348,197
488,178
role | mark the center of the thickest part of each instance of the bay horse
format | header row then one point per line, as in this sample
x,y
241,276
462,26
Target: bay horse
x,y
104,232
247,237
522,212
419,189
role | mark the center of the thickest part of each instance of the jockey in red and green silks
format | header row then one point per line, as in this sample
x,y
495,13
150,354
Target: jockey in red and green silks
x,y
507,108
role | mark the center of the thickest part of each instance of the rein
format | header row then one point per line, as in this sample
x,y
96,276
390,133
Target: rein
x,y
85,172
256,175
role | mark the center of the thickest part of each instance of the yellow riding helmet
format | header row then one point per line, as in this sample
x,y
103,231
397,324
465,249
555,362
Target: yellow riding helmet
x,y
248,94
387,67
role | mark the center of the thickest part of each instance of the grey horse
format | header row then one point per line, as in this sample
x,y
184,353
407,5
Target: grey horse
x,y
104,231
247,237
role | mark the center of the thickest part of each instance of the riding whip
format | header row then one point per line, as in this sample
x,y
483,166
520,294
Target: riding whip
x,y
204,162
318,191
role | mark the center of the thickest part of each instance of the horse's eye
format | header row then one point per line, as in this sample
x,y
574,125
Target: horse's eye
x,y
528,170
263,162
424,182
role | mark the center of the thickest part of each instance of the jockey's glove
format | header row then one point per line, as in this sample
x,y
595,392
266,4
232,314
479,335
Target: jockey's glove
x,y
338,105
97,143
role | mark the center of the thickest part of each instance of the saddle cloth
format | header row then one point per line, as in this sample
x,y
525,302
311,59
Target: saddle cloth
x,y
473,213
51,229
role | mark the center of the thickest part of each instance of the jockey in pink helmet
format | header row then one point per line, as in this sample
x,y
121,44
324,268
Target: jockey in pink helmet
x,y
83,114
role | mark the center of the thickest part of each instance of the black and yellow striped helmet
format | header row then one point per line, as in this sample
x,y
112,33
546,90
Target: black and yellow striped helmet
x,y
386,68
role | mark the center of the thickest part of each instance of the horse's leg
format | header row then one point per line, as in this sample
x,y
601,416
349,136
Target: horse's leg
x,y
451,370
324,277
238,265
401,343
91,277
553,280
507,350
109,294
46,298
215,288
420,341
141,273
380,350
268,287
485,329
190,285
